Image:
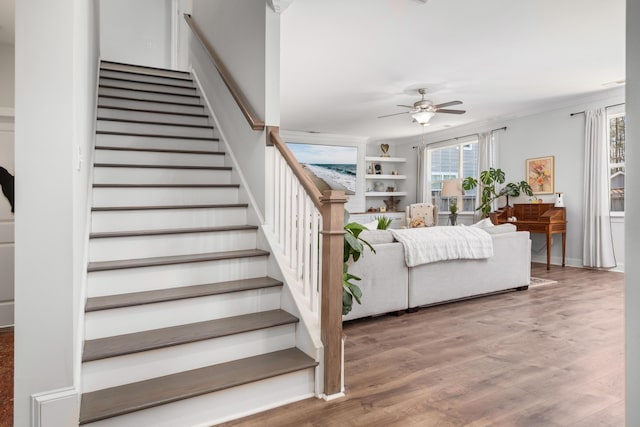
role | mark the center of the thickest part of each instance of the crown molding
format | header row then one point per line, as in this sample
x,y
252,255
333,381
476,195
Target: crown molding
x,y
279,6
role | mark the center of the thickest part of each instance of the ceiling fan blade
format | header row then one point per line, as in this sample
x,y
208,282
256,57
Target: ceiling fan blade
x,y
395,114
448,104
440,110
405,106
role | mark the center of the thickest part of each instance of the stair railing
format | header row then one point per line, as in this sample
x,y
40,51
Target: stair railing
x,y
308,229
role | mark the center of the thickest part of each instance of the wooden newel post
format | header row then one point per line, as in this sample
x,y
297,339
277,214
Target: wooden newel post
x,y
331,305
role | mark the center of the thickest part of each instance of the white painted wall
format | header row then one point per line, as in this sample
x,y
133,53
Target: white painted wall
x,y
555,133
7,82
241,32
6,224
137,32
7,76
632,207
56,67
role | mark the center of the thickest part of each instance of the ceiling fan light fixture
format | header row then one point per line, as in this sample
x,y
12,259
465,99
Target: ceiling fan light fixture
x,y
423,117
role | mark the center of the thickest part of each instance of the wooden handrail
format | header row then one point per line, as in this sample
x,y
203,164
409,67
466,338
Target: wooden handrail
x,y
274,138
241,100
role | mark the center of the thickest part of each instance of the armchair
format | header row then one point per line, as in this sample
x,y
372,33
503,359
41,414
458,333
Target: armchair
x,y
426,211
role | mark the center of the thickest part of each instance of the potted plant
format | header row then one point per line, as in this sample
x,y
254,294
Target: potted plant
x,y
490,180
453,211
353,247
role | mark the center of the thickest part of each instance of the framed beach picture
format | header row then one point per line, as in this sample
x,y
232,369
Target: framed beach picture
x,y
541,175
330,167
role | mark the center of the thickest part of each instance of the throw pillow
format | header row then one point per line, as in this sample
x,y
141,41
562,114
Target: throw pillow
x,y
373,225
376,237
417,222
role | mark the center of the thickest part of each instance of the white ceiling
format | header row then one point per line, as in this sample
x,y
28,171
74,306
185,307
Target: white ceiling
x,y
7,21
346,62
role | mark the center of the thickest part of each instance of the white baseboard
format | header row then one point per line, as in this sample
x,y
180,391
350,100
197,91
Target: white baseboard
x,y
556,260
57,408
6,314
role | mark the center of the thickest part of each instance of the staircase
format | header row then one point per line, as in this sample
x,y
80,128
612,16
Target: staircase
x,y
183,326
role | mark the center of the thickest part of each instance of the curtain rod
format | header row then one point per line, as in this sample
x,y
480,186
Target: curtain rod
x,y
608,106
463,136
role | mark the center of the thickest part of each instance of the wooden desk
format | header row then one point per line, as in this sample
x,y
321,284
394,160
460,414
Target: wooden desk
x,y
541,218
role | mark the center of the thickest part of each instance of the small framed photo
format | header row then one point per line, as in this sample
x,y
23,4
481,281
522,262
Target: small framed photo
x,y
378,168
540,174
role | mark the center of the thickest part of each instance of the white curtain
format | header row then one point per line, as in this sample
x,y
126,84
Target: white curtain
x,y
598,243
486,160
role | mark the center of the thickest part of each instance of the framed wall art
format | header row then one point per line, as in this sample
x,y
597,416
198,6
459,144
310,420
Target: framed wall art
x,y
541,175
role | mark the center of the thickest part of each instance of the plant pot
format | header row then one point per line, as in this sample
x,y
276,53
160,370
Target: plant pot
x,y
453,218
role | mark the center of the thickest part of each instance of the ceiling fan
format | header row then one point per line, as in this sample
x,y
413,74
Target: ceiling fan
x,y
422,111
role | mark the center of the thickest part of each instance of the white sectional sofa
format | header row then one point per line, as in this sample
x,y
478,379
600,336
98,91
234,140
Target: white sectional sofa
x,y
388,285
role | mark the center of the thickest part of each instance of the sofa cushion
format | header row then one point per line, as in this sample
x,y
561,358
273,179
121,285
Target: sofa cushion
x,y
500,229
376,237
484,223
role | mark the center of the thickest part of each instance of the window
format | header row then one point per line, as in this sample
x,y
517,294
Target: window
x,y
616,159
455,161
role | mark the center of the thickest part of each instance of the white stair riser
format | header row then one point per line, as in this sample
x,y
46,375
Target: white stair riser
x,y
221,406
118,175
150,96
107,197
166,219
147,129
157,158
147,86
152,117
105,323
115,371
106,249
150,105
143,70
155,142
145,78
100,283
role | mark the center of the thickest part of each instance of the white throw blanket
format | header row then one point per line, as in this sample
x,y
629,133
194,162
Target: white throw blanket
x,y
431,244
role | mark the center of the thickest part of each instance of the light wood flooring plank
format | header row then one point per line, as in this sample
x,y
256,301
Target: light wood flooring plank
x,y
549,356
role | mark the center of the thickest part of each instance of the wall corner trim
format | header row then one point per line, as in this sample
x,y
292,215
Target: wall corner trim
x,y
55,408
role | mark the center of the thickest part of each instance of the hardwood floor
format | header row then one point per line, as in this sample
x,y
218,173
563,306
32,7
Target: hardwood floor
x,y
549,356
6,377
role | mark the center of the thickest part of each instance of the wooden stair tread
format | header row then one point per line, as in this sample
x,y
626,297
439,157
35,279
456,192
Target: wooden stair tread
x,y
175,259
151,166
169,207
184,95
172,294
126,98
119,345
121,79
109,234
133,397
147,122
142,110
147,67
153,135
160,150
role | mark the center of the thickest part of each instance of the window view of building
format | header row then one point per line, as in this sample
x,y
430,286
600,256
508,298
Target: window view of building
x,y
616,161
452,162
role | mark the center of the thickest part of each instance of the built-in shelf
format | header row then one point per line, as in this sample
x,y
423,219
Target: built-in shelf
x,y
385,159
385,193
387,176
370,176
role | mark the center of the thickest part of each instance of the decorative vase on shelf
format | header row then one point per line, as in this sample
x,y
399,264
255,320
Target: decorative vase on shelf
x,y
453,218
378,186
